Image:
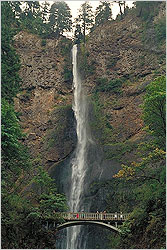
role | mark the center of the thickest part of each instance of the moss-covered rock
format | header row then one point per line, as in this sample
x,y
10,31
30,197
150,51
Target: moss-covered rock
x,y
60,139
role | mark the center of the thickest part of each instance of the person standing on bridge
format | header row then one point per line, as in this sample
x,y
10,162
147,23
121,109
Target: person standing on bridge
x,y
97,214
104,214
77,216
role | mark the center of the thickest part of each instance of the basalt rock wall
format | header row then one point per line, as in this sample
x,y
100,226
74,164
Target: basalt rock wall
x,y
45,100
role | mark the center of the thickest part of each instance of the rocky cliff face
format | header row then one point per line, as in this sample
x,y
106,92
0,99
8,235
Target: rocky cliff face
x,y
46,97
123,51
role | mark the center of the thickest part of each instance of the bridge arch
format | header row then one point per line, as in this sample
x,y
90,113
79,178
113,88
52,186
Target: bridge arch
x,y
97,223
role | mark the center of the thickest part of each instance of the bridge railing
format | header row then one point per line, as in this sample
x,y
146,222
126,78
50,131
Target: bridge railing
x,y
94,216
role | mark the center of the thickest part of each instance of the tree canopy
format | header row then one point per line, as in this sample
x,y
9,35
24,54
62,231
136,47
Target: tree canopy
x,y
10,61
154,109
103,13
60,18
85,18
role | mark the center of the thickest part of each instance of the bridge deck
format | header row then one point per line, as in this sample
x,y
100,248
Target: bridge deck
x,y
93,216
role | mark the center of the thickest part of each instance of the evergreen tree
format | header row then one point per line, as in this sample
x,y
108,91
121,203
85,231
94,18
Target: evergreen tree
x,y
121,3
31,15
60,18
10,61
45,11
146,9
17,11
85,18
103,13
78,34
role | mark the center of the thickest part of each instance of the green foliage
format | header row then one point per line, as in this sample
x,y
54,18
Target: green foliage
x,y
112,62
43,180
83,61
85,19
22,221
154,109
68,75
146,10
100,126
43,42
60,18
65,50
118,150
114,241
160,29
87,68
104,85
11,131
46,194
10,62
52,202
103,13
14,154
63,119
147,221
30,18
78,34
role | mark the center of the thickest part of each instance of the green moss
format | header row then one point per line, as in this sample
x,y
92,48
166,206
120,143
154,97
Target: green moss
x,y
68,76
112,62
65,47
160,29
118,150
61,120
100,126
43,42
105,85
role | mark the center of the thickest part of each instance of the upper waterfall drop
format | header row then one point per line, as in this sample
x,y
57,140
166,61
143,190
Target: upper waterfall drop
x,y
79,161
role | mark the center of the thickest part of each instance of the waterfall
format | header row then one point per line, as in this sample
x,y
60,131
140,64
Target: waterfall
x,y
78,162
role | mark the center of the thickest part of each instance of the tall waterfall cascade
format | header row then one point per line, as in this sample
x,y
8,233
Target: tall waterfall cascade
x,y
79,160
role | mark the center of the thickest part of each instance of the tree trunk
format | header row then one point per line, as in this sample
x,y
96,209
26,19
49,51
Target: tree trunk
x,y
120,9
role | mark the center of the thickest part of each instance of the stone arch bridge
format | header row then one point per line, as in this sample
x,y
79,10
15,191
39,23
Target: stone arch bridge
x,y
106,220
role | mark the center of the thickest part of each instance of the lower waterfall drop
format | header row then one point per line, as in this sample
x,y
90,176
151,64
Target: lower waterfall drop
x,y
79,161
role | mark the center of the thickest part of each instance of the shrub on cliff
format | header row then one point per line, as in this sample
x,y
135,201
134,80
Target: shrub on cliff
x,y
146,10
104,85
154,110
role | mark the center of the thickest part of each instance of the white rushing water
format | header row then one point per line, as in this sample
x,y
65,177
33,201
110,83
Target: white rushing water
x,y
78,162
